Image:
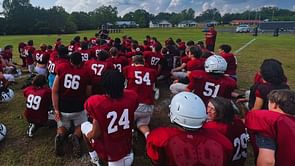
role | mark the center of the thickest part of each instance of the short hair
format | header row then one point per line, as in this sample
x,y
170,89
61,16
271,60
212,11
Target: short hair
x,y
77,39
138,59
196,51
8,47
113,83
39,81
84,45
113,51
30,42
190,43
224,109
285,99
201,44
225,47
76,58
272,71
102,55
158,47
62,51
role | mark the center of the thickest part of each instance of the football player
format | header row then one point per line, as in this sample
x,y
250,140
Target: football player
x,y
141,79
38,103
231,60
188,143
113,120
29,51
70,89
274,129
221,117
212,82
117,60
96,67
41,58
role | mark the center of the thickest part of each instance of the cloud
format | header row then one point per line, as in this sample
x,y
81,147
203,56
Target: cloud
x,y
156,6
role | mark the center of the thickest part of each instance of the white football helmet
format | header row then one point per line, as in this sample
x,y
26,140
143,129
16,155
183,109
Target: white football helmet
x,y
3,131
215,64
188,110
6,95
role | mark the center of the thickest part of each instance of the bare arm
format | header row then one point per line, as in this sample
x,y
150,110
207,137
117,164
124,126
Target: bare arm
x,y
55,98
95,132
266,157
258,103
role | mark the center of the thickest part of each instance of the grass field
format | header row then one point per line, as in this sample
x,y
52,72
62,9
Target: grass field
x,y
17,149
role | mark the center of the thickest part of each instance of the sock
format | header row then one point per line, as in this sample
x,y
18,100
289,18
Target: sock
x,y
93,155
146,134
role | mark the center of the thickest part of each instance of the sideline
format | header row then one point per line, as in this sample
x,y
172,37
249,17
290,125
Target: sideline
x,y
246,45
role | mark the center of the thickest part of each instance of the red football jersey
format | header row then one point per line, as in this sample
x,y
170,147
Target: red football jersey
x,y
280,128
173,146
236,133
208,85
119,62
86,55
95,68
152,59
141,79
195,64
116,120
72,82
29,51
231,63
38,102
41,57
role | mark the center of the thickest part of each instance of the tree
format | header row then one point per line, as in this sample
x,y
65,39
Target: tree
x,y
209,15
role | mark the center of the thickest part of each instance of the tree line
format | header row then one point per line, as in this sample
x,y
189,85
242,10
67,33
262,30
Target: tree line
x,y
21,17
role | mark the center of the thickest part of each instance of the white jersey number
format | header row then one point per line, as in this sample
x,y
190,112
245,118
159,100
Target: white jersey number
x,y
123,121
33,102
97,68
72,81
211,89
139,79
154,61
240,144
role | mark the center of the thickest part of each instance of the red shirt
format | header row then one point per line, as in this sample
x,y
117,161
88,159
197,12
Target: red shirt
x,y
72,82
116,120
86,55
41,57
29,51
141,79
152,59
95,69
207,85
172,146
211,37
119,62
231,63
195,64
6,55
236,133
51,63
38,102
278,127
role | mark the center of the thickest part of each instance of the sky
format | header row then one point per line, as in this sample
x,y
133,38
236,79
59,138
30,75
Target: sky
x,y
156,6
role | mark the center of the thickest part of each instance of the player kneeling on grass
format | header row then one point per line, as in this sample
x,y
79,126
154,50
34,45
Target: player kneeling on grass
x,y
70,89
188,143
275,128
141,79
110,135
38,103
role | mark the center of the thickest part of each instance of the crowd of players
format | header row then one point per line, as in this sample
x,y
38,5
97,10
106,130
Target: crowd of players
x,y
101,90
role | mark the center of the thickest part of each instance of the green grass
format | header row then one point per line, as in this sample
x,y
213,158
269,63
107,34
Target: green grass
x,y
17,149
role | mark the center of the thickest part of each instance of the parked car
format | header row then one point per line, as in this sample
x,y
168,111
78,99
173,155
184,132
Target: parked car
x,y
243,28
